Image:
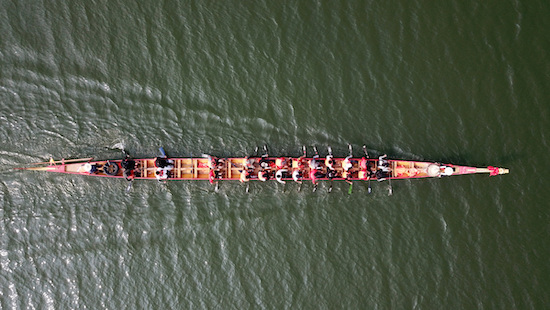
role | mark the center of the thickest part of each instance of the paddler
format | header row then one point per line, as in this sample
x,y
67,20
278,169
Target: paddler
x,y
245,176
211,176
346,174
263,175
313,176
90,168
313,164
214,164
163,166
382,161
280,174
161,174
363,175
347,164
212,161
363,163
331,173
248,163
128,165
265,163
281,163
297,175
329,162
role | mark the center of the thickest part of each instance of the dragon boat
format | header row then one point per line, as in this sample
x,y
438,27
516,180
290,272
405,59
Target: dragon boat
x,y
262,168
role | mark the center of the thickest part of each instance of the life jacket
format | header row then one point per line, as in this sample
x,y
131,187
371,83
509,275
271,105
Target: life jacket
x,y
161,174
363,163
312,176
363,175
313,164
347,165
211,175
280,163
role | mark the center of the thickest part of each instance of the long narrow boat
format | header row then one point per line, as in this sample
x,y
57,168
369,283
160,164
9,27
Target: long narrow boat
x,y
261,168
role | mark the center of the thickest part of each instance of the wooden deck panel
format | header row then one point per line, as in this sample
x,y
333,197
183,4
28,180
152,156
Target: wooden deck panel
x,y
228,167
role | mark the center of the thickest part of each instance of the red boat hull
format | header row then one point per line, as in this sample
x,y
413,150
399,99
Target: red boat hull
x,y
234,168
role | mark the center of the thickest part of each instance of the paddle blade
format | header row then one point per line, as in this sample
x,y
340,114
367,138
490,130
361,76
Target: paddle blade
x,y
162,152
350,189
129,186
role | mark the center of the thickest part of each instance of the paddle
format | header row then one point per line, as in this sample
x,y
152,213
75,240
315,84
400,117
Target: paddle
x,y
161,150
390,189
351,182
232,164
367,154
129,185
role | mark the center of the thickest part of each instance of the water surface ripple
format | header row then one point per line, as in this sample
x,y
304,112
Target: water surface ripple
x,y
463,82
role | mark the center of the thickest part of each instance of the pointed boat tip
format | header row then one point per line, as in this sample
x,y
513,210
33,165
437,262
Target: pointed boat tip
x,y
495,170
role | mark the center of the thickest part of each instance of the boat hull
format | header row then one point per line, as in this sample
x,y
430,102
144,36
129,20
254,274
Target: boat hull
x,y
232,169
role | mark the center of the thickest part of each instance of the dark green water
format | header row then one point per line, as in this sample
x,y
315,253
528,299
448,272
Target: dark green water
x,y
462,81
